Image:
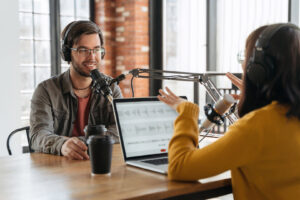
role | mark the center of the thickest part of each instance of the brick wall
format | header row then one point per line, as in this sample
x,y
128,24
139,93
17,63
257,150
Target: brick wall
x,y
126,34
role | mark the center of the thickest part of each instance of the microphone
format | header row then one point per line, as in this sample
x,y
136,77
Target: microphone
x,y
121,77
118,79
100,84
214,113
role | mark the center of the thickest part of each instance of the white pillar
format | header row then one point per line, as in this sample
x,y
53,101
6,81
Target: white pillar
x,y
10,76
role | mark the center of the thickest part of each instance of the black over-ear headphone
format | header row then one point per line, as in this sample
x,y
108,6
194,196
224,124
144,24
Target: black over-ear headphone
x,y
65,49
260,66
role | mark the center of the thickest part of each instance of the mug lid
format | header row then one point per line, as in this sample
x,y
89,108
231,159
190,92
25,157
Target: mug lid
x,y
100,139
100,128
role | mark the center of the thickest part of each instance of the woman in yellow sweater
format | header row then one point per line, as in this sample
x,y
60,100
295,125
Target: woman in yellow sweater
x,y
262,149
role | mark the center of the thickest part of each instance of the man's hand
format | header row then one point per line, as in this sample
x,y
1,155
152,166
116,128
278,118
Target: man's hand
x,y
170,98
74,149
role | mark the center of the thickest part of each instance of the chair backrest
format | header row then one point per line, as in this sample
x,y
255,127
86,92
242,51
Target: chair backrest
x,y
26,149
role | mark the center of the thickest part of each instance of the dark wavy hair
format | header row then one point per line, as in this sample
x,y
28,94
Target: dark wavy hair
x,y
79,28
284,86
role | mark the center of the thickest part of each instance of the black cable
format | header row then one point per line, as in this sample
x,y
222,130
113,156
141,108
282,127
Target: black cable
x,y
131,84
204,136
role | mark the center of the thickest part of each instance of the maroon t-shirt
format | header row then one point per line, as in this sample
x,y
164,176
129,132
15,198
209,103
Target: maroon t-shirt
x,y
82,116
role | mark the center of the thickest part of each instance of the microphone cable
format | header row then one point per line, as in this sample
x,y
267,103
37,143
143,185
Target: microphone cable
x,y
204,136
131,85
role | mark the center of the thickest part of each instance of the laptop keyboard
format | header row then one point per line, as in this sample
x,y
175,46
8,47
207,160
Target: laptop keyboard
x,y
159,161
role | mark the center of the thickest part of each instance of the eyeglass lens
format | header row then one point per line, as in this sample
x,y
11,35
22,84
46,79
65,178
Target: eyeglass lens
x,y
241,56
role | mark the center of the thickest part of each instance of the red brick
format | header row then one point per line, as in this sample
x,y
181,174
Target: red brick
x,y
136,35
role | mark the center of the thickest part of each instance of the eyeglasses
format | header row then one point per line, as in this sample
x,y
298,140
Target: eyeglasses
x,y
86,52
241,56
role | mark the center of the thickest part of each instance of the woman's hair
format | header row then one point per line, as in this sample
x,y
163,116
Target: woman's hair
x,y
284,85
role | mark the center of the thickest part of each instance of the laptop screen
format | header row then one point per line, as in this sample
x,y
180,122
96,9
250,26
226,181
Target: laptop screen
x,y
145,125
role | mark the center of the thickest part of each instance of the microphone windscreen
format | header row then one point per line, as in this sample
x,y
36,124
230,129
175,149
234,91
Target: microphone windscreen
x,y
95,74
222,105
99,77
121,77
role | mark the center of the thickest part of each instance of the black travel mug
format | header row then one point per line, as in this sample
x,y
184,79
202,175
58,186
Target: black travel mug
x,y
100,150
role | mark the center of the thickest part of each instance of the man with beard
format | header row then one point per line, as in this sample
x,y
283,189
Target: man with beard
x,y
63,105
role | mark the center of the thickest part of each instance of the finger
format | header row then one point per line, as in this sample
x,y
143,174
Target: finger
x,y
167,96
171,93
162,93
236,96
75,156
78,150
166,100
80,144
161,98
235,80
85,155
231,77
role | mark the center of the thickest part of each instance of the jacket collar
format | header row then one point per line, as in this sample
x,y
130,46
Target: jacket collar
x,y
66,82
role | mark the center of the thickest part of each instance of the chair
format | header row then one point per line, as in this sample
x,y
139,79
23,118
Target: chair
x,y
26,149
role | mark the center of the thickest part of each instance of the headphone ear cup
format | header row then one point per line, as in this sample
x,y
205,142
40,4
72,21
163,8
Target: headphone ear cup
x,y
66,53
256,73
269,68
102,52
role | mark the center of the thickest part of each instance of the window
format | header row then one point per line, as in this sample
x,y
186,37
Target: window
x,y
191,28
236,20
71,10
185,42
34,51
36,39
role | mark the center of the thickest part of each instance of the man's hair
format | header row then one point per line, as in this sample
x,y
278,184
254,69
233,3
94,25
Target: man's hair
x,y
77,28
284,86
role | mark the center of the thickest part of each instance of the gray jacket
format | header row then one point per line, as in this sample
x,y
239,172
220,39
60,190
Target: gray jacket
x,y
54,109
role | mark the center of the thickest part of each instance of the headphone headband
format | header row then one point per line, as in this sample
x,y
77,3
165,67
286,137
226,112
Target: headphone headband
x,y
260,67
265,37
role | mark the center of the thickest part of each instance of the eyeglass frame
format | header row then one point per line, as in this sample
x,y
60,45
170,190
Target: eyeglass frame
x,y
241,56
102,51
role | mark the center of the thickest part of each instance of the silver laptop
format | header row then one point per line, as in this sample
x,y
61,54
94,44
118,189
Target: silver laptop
x,y
145,127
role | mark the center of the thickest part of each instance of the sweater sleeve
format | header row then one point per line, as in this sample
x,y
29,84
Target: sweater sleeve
x,y
239,146
43,138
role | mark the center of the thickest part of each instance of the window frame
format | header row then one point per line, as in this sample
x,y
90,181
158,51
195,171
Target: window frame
x,y
54,64
55,31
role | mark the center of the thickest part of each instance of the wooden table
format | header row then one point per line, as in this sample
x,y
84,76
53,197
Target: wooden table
x,y
43,176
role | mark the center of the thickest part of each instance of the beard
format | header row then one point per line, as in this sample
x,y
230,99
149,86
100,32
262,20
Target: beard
x,y
79,68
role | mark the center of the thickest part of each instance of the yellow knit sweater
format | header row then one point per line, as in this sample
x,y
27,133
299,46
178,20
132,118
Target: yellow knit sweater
x,y
262,150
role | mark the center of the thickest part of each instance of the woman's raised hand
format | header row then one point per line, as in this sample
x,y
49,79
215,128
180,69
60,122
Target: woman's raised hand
x,y
170,98
235,81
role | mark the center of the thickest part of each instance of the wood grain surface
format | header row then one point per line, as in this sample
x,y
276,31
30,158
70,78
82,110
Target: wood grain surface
x,y
44,176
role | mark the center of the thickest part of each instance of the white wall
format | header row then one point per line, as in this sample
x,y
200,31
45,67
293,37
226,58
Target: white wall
x,y
10,77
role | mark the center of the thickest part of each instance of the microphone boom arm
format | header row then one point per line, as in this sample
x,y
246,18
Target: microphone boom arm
x,y
201,78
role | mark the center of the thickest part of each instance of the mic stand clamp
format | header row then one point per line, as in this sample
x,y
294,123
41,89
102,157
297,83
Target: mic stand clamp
x,y
104,90
212,115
